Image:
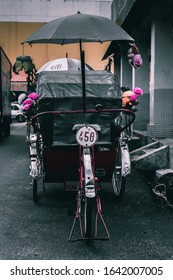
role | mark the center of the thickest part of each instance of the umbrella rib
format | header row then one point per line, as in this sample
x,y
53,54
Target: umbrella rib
x,y
56,30
95,29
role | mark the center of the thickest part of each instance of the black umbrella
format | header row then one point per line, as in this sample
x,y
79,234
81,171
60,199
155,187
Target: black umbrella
x,y
79,28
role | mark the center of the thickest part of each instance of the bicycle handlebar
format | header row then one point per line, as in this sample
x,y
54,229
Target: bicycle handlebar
x,y
69,112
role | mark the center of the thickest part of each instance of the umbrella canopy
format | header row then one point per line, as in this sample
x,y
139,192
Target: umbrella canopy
x,y
76,28
63,64
79,28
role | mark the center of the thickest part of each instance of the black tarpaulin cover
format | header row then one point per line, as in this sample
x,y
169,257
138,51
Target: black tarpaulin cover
x,y
60,91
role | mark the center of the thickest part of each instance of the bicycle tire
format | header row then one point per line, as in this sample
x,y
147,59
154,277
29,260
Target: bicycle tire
x,y
118,181
119,193
6,127
34,188
88,213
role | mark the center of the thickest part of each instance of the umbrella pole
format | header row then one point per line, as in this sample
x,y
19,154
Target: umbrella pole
x,y
82,56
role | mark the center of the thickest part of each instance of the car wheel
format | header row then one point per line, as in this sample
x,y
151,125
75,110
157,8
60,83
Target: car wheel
x,y
20,118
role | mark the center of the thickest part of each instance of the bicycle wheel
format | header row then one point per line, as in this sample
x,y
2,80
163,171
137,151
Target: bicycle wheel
x,y
118,181
34,189
88,212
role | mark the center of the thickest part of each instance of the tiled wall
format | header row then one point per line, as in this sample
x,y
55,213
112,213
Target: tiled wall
x,y
163,107
163,114
160,131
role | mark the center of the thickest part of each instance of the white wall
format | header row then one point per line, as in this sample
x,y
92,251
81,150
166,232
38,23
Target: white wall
x,y
46,10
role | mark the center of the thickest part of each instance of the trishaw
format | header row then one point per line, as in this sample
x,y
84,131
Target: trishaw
x,y
87,145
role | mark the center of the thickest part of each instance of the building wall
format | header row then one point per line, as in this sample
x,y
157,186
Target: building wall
x,y
12,34
20,18
161,93
153,35
142,81
46,10
142,115
163,55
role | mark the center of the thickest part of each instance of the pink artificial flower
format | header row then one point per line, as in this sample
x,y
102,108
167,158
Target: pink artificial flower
x,y
28,101
33,95
134,97
137,61
138,90
27,107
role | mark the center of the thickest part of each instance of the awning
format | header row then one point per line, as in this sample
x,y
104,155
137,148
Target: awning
x,y
120,10
113,48
128,14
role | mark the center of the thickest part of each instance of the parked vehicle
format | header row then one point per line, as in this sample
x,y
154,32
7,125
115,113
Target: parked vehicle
x,y
16,113
5,103
77,125
68,144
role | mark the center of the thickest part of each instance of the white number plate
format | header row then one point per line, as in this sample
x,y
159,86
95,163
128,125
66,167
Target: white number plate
x,y
86,136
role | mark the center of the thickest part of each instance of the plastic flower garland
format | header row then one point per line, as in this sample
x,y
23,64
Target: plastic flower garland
x,y
30,102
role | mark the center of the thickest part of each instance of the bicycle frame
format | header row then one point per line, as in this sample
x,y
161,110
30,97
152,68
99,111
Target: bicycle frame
x,y
88,192
97,111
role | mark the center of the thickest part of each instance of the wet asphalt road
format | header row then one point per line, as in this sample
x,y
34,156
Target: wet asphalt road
x,y
141,226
